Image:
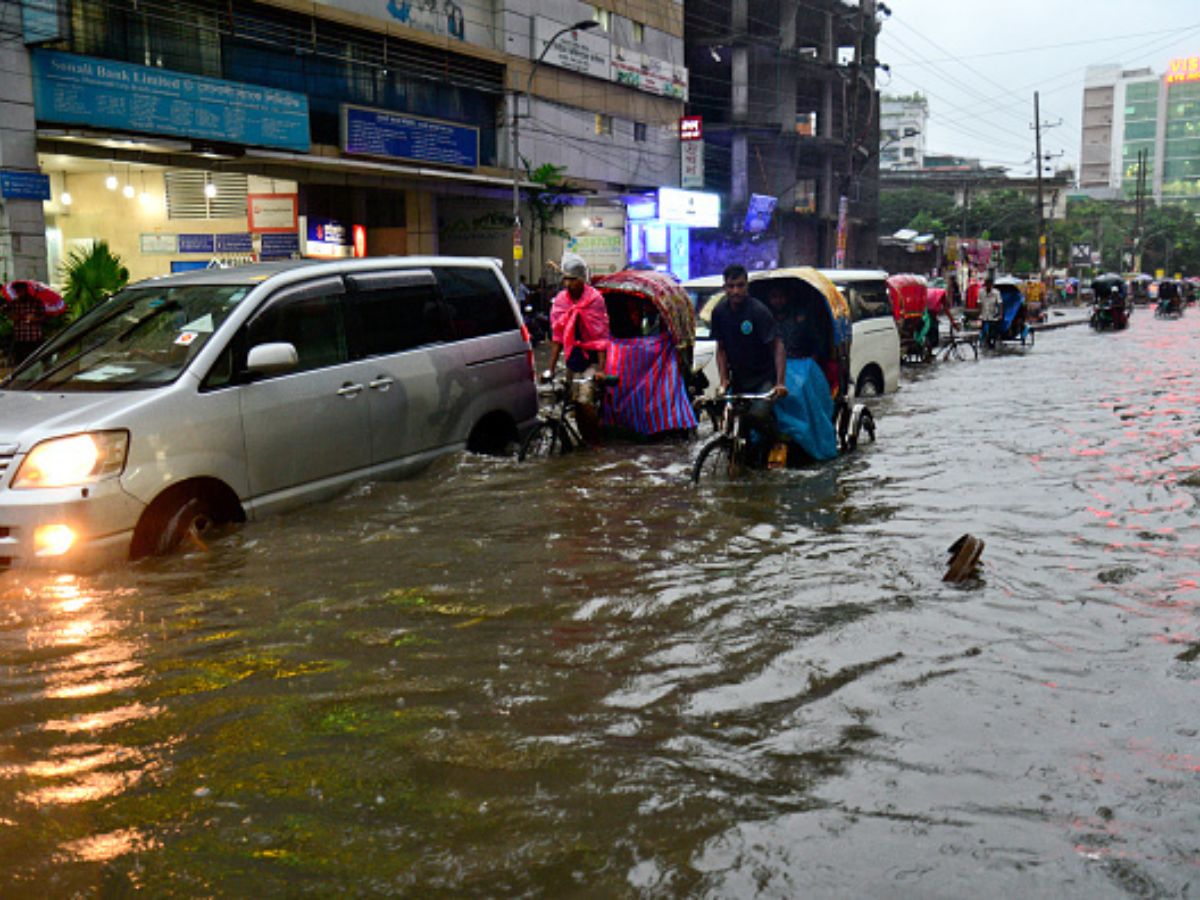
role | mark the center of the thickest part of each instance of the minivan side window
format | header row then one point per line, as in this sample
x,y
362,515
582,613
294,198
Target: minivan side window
x,y
867,299
315,326
478,304
396,318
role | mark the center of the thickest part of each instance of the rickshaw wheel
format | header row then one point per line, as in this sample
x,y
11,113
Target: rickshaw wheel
x,y
546,439
715,459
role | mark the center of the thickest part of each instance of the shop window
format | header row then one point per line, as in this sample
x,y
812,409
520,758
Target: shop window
x,y
603,124
193,194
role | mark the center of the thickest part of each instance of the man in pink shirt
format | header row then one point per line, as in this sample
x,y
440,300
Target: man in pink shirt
x,y
579,326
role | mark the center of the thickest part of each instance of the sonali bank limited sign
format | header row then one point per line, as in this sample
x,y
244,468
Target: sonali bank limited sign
x,y
1185,68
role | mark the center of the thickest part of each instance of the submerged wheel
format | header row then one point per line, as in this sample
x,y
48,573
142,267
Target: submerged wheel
x,y
188,527
715,460
870,384
860,418
546,439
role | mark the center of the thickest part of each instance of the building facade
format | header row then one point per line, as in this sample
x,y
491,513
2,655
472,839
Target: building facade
x,y
187,133
902,131
1137,114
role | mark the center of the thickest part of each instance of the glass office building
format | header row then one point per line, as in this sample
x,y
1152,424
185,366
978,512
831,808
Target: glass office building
x,y
1130,112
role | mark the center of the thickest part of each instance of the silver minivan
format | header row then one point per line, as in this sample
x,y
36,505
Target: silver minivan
x,y
875,350
221,395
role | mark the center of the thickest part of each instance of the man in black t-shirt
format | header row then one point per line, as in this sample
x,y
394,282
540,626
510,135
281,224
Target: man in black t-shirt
x,y
750,355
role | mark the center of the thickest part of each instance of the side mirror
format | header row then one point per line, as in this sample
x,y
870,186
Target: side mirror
x,y
266,359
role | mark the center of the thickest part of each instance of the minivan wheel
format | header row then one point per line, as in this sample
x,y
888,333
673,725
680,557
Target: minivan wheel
x,y
188,527
869,385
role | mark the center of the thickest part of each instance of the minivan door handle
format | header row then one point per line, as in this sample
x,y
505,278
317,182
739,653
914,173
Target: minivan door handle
x,y
382,383
350,390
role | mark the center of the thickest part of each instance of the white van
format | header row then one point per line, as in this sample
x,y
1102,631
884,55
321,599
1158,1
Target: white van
x,y
875,350
221,395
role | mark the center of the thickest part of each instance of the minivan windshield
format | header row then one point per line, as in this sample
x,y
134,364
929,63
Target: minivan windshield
x,y
140,338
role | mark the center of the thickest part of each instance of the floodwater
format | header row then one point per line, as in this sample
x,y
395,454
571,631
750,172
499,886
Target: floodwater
x,y
586,677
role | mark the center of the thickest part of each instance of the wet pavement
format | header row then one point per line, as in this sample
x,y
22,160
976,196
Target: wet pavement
x,y
586,677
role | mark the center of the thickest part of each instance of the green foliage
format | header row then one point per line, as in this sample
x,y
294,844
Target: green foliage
x,y
547,201
92,276
901,209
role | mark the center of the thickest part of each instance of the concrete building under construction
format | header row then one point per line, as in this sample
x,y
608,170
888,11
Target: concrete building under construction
x,y
790,110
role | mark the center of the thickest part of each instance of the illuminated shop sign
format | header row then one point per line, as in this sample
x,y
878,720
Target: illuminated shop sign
x,y
693,208
1185,68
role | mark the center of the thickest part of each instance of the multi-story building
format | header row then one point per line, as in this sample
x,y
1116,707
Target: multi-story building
x,y
185,132
902,131
1132,114
791,114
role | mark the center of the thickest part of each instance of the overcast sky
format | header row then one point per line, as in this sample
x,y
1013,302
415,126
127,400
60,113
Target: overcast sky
x,y
980,63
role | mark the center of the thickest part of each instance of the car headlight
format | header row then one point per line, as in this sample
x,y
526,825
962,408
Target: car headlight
x,y
78,459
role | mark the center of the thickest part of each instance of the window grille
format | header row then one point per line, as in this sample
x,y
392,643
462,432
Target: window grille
x,y
187,197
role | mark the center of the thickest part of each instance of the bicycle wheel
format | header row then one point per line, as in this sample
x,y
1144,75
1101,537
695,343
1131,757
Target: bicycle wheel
x,y
546,439
715,460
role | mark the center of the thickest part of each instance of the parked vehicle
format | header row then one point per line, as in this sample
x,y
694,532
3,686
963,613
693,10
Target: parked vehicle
x,y
219,395
1110,311
875,353
816,419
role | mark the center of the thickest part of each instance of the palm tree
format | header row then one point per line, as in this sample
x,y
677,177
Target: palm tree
x,y
91,277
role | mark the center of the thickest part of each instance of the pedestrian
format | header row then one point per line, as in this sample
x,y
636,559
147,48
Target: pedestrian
x,y
522,291
579,327
27,315
750,354
991,310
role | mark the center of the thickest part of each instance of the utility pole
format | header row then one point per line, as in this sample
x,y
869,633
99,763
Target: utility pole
x,y
1139,207
1037,127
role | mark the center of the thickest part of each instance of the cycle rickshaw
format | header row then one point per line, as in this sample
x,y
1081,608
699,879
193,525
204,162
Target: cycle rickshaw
x,y
647,387
816,422
1109,308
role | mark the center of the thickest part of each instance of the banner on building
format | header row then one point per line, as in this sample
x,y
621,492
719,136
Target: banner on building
x,y
839,257
391,135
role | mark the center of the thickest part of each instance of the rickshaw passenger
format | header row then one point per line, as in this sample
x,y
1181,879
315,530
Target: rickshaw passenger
x,y
750,354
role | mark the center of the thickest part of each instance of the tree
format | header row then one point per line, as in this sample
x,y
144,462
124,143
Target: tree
x,y
92,276
1170,240
901,209
547,201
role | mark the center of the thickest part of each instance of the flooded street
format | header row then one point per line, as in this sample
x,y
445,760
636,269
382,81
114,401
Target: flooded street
x,y
586,677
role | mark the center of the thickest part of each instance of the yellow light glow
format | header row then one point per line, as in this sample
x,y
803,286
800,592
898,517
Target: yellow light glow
x,y
65,461
53,540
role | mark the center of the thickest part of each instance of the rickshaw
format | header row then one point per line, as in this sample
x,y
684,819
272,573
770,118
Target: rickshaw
x,y
815,420
909,295
1170,300
1109,309
647,386
1013,325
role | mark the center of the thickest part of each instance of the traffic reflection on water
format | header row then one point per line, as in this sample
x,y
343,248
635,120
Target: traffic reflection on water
x,y
586,675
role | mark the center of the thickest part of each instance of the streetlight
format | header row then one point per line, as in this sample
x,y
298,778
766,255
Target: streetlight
x,y
516,140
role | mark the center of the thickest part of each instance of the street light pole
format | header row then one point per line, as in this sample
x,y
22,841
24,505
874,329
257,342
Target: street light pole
x,y
516,143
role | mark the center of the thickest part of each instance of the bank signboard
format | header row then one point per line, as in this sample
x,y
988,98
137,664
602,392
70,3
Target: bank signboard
x,y
100,93
392,135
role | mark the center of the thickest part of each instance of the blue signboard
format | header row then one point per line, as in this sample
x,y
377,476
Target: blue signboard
x,y
279,244
24,185
374,132
83,90
197,243
237,242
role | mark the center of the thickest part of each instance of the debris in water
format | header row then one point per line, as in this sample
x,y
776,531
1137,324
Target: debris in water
x,y
964,558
